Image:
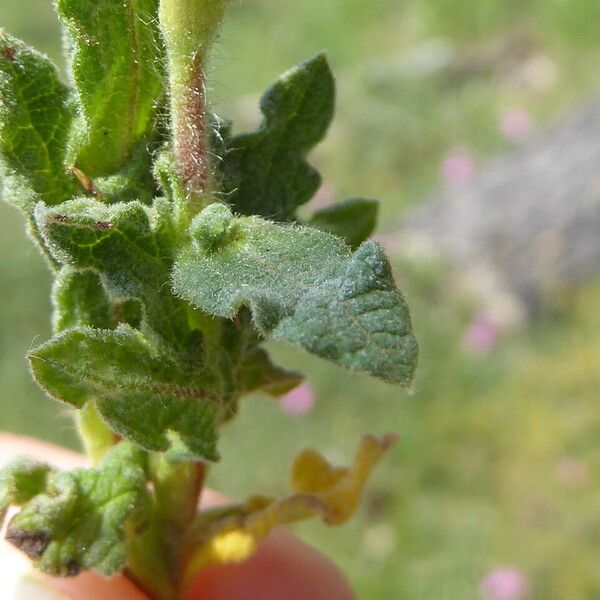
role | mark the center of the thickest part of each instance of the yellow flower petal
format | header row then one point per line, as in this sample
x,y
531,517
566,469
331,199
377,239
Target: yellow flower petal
x,y
332,493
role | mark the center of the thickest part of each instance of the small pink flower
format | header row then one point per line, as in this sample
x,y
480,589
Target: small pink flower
x,y
300,401
504,583
324,197
458,168
481,336
572,472
516,124
390,241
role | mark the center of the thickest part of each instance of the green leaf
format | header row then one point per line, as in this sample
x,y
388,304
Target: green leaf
x,y
20,481
259,374
265,173
140,389
303,286
114,50
77,522
130,247
35,116
231,349
133,182
79,300
165,174
354,220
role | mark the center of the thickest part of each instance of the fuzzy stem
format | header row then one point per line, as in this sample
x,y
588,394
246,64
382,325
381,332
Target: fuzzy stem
x,y
148,565
177,489
189,28
156,554
96,436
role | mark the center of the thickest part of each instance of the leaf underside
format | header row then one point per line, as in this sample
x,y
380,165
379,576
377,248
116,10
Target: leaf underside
x,y
303,286
75,520
141,392
35,118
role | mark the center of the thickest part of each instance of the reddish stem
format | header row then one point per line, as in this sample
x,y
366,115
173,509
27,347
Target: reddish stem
x,y
190,132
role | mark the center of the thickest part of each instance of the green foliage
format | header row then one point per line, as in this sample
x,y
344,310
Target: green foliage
x,y
259,374
139,389
130,253
20,481
114,54
73,521
80,300
35,116
265,172
353,220
302,286
160,312
458,467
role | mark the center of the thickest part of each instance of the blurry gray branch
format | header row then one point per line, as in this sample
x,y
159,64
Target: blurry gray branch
x,y
528,227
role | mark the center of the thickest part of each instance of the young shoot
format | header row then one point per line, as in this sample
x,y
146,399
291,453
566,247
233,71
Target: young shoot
x,y
177,250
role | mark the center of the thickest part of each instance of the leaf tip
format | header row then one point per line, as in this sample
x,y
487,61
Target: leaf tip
x,y
320,60
31,543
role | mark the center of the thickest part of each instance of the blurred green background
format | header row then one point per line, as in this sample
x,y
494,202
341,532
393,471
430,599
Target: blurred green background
x,y
498,462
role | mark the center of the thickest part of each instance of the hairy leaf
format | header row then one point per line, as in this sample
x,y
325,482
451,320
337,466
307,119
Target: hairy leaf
x,y
114,50
76,522
20,481
353,220
139,389
265,173
133,182
303,286
128,245
35,117
166,175
258,373
80,300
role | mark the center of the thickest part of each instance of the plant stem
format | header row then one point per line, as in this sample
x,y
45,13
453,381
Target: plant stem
x,y
177,489
148,565
189,28
157,552
96,436
158,557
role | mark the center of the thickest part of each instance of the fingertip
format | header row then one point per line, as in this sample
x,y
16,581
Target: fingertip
x,y
16,572
13,446
284,568
89,586
21,582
